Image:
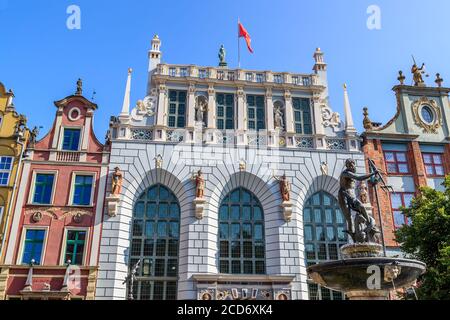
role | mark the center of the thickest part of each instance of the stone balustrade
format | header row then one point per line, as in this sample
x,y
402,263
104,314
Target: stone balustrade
x,y
224,74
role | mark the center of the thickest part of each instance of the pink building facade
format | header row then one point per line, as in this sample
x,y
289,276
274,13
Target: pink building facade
x,y
53,243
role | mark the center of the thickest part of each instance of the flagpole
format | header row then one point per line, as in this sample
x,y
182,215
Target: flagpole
x,y
239,46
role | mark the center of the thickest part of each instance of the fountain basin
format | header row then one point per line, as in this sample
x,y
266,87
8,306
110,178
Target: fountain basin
x,y
352,275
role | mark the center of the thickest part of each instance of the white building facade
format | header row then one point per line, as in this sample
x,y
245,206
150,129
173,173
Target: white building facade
x,y
244,130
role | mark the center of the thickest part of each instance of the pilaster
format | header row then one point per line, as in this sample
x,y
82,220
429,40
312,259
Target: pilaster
x,y
417,166
241,117
162,105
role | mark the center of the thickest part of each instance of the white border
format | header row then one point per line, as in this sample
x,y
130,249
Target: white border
x,y
69,114
72,188
33,186
8,171
64,244
433,112
22,242
61,138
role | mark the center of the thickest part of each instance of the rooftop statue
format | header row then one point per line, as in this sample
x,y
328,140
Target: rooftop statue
x,y
222,56
417,74
362,228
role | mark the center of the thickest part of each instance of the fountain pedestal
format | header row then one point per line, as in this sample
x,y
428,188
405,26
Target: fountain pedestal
x,y
364,273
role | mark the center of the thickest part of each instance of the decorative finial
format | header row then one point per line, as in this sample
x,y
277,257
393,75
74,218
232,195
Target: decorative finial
x,y
79,87
345,86
439,80
367,123
130,70
401,78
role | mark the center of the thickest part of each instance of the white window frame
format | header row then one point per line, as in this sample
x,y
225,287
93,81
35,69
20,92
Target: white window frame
x,y
33,187
61,138
22,243
7,171
64,244
72,187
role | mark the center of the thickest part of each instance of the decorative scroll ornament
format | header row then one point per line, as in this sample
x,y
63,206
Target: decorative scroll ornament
x,y
144,107
329,118
37,214
437,116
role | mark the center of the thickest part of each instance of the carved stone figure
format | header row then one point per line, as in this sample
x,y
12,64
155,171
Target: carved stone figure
x,y
200,109
324,168
242,165
329,118
363,229
278,118
199,184
117,180
417,74
146,106
285,187
79,87
158,161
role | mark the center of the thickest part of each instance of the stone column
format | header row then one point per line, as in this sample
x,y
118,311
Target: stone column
x,y
317,113
241,117
289,114
211,128
162,107
211,108
269,110
191,106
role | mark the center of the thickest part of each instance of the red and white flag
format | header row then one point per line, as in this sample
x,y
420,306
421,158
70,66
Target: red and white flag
x,y
244,34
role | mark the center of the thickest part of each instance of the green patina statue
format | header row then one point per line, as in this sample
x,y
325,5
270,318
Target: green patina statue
x,y
222,56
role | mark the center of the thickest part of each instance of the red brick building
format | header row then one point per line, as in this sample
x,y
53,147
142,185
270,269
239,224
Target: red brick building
x,y
54,239
412,149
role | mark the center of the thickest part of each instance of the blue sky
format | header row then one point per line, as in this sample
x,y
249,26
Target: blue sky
x,y
41,59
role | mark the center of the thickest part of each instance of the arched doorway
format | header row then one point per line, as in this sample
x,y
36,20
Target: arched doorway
x,y
155,241
241,234
324,227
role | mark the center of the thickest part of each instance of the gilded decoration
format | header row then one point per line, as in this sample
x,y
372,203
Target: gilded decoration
x,y
437,119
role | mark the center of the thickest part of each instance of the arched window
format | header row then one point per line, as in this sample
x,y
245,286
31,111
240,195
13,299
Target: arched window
x,y
324,235
155,241
241,234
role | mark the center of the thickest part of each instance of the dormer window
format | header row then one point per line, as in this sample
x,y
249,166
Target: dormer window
x,y
71,140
